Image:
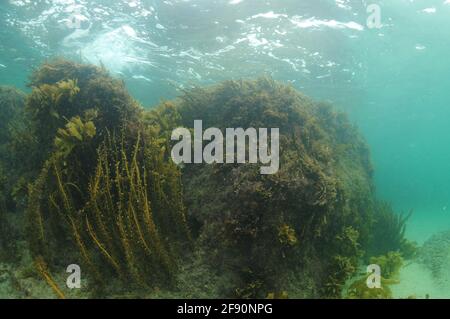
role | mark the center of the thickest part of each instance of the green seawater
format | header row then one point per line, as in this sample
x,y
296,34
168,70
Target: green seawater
x,y
393,80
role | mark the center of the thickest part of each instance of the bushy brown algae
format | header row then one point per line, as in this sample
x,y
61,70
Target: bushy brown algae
x,y
323,191
105,187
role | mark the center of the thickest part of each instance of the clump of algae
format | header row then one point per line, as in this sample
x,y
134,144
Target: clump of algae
x,y
305,221
101,190
390,265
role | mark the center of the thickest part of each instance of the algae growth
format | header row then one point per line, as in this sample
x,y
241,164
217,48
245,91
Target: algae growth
x,y
89,177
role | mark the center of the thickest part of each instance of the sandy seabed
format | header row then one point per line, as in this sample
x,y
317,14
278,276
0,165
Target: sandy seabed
x,y
416,279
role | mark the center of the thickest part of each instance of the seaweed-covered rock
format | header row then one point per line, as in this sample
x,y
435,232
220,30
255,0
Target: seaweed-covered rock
x,y
11,109
63,90
12,103
311,218
94,171
11,112
105,194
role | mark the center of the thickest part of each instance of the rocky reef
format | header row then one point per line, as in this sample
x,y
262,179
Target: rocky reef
x,y
305,220
93,183
317,218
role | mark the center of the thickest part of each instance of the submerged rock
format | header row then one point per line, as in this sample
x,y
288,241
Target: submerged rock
x,y
100,189
309,220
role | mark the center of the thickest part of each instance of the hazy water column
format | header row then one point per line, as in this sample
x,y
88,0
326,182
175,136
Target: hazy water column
x,y
406,116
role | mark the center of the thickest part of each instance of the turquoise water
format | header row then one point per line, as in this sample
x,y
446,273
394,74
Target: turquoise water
x,y
392,79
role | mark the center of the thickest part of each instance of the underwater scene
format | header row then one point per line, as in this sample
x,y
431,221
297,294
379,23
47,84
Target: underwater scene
x,y
218,149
